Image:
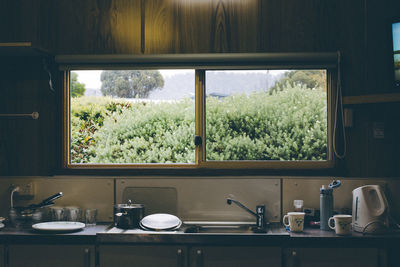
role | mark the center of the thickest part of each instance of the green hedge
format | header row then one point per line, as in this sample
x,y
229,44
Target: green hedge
x,y
288,125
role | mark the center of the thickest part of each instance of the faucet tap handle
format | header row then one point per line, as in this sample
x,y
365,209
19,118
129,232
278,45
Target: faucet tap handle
x,y
260,210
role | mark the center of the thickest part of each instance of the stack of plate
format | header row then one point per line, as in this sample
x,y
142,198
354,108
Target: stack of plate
x,y
160,222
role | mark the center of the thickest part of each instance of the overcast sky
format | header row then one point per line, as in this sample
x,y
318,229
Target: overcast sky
x,y
91,78
396,36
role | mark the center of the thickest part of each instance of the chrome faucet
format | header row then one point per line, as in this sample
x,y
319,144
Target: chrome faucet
x,y
259,214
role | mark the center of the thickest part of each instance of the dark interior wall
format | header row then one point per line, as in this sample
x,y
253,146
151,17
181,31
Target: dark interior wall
x,y
357,28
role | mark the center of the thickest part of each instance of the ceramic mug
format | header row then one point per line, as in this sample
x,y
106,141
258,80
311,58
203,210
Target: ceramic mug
x,y
342,224
295,221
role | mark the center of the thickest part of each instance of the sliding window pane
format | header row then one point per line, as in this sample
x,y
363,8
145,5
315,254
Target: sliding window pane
x,y
132,116
278,115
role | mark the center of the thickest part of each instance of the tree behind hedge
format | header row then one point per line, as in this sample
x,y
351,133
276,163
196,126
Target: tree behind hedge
x,y
130,83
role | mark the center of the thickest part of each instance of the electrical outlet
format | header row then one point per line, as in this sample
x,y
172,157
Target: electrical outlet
x,y
26,189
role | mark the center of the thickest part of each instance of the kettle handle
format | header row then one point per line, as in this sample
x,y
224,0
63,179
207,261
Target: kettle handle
x,y
383,201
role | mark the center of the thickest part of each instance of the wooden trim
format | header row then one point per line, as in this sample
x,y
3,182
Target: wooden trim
x,y
16,44
132,166
142,26
267,164
200,88
200,161
331,100
66,121
369,99
213,165
200,61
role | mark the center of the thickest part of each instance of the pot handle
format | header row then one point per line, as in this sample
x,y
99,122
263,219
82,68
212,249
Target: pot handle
x,y
121,218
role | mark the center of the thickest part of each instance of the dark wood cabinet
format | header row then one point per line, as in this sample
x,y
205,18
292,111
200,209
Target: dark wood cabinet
x,y
332,257
51,255
234,256
142,255
2,259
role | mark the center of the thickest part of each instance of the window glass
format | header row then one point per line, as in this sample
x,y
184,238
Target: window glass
x,y
266,115
132,116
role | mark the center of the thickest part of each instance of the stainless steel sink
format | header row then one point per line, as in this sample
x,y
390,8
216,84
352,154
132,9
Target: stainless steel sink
x,y
221,228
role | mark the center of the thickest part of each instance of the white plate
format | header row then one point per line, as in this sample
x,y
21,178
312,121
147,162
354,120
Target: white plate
x,y
1,225
59,226
161,221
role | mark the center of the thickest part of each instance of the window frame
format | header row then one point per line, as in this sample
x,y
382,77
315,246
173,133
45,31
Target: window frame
x,y
201,63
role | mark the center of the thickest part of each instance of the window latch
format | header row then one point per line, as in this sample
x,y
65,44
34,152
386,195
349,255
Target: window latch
x,y
198,140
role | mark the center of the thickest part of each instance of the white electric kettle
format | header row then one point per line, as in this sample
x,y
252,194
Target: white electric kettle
x,y
370,209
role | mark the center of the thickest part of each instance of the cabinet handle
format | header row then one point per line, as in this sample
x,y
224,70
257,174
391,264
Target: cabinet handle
x,y
179,253
199,258
295,259
86,251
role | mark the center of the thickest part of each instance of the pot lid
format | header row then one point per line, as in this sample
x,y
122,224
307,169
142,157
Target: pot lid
x,y
130,205
161,221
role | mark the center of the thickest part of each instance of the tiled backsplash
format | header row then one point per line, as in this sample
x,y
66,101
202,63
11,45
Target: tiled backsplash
x,y
194,198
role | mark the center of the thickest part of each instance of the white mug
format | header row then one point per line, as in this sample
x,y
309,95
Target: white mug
x,y
342,224
295,221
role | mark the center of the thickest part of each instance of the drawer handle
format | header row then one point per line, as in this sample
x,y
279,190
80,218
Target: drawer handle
x,y
179,253
86,251
199,258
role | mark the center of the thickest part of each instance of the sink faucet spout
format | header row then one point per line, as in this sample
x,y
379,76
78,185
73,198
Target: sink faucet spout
x,y
259,214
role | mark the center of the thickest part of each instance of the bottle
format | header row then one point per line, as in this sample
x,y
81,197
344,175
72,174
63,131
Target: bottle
x,y
326,207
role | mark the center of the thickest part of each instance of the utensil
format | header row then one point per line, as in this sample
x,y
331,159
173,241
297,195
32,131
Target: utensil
x,y
72,214
128,216
160,222
46,202
90,217
61,226
57,213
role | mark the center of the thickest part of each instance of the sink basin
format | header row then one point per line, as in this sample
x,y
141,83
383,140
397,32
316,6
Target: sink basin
x,y
221,228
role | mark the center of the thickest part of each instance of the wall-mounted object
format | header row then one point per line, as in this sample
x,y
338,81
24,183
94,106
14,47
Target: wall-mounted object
x,y
21,49
34,115
370,99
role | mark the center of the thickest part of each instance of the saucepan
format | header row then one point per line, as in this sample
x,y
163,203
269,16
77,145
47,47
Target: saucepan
x,y
128,216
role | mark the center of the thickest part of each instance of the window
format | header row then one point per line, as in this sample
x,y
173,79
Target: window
x,y
246,114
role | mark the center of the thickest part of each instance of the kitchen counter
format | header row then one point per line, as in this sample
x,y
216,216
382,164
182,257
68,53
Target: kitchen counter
x,y
312,236
276,236
85,236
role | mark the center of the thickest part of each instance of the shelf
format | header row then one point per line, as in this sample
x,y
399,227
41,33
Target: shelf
x,y
370,99
20,49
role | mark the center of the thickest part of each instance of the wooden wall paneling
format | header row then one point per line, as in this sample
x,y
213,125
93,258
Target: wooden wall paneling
x,y
350,40
378,67
19,20
297,26
28,145
374,157
383,153
200,26
98,27
234,26
357,149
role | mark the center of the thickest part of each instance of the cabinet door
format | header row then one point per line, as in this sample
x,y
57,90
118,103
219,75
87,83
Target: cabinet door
x,y
332,257
217,256
51,255
2,256
142,256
